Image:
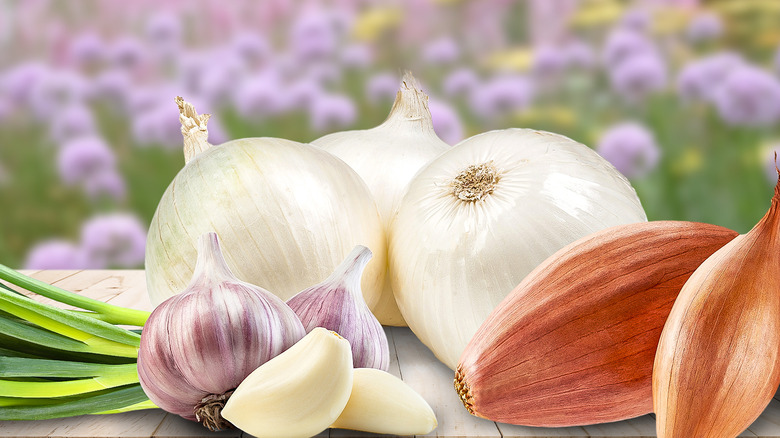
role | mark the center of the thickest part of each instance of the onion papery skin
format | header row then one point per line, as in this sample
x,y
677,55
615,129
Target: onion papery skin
x,y
453,261
287,214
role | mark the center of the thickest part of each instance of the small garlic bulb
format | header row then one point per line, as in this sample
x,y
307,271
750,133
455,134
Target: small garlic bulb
x,y
337,304
199,345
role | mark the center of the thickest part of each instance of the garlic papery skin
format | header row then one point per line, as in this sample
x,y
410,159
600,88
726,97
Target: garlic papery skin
x,y
298,393
199,345
383,403
387,157
478,218
286,213
337,304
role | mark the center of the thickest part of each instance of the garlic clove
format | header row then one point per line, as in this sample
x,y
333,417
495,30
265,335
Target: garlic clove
x,y
298,393
383,403
337,304
197,346
721,343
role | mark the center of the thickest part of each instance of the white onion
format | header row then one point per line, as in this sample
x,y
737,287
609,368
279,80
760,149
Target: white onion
x,y
453,259
388,156
287,214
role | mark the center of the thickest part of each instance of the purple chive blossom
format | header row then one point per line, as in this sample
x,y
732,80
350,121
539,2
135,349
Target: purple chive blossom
x,y
19,82
127,53
251,48
638,76
159,125
579,54
260,96
163,30
114,87
87,49
81,158
446,122
622,44
749,96
382,87
106,184
443,50
324,73
57,254
72,122
631,148
303,92
704,27
636,20
56,91
460,82
699,79
116,240
329,111
548,61
313,36
357,56
501,95
218,81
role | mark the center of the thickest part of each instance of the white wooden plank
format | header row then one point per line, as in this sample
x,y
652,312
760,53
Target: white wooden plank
x,y
433,381
512,431
137,424
768,424
175,426
643,426
27,429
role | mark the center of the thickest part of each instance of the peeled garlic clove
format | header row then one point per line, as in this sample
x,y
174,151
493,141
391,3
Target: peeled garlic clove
x,y
298,393
383,403
574,343
197,346
337,304
718,361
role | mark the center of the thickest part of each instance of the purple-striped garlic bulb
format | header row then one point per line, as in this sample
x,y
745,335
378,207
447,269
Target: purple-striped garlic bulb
x,y
199,345
337,304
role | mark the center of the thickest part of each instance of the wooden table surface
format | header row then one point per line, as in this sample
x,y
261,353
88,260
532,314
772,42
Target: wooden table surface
x,y
411,361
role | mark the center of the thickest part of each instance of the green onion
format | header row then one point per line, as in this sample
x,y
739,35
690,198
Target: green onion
x,y
60,363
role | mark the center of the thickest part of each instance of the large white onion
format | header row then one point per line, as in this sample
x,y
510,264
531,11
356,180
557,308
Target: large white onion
x,y
481,216
286,213
388,156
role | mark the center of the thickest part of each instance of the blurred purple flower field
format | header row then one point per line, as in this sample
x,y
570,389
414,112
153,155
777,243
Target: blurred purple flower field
x,y
683,97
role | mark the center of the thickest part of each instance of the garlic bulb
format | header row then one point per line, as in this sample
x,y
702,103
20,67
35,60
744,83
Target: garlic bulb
x,y
477,219
337,304
197,346
287,213
298,393
387,157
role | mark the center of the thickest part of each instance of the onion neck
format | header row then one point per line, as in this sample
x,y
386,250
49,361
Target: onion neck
x,y
475,182
193,129
209,412
410,109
